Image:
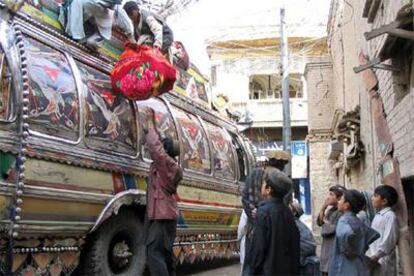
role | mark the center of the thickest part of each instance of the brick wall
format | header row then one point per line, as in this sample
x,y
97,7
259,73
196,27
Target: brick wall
x,y
346,40
399,110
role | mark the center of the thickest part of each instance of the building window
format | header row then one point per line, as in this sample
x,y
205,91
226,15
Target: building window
x,y
278,93
293,92
256,91
401,78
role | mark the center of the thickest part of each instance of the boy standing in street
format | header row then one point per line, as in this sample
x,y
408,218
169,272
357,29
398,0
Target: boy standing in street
x,y
164,176
275,245
327,219
352,238
382,251
309,263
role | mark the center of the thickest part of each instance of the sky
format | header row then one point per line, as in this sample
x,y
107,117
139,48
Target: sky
x,y
206,21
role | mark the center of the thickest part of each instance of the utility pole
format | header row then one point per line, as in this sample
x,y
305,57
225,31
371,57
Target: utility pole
x,y
287,133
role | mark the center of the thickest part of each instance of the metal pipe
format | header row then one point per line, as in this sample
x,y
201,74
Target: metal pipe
x,y
285,85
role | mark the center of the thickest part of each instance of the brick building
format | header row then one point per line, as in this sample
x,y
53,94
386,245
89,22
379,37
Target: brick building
x,y
344,147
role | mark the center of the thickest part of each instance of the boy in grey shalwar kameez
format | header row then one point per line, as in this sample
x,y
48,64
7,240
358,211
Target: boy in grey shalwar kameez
x,y
352,238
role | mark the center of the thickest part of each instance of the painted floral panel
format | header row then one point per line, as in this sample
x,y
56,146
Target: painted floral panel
x,y
163,119
110,120
54,101
196,151
223,158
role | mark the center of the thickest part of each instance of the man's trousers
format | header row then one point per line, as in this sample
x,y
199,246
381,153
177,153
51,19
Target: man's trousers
x,y
160,241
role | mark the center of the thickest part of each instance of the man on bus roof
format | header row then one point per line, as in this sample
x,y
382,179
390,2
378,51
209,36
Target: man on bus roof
x,y
149,28
102,14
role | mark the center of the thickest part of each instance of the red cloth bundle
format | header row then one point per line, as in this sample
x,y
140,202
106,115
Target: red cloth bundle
x,y
142,72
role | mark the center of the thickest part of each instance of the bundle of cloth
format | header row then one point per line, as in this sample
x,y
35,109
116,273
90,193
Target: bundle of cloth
x,y
142,72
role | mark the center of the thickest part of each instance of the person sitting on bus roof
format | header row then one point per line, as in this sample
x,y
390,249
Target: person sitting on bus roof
x,y
102,14
163,179
150,28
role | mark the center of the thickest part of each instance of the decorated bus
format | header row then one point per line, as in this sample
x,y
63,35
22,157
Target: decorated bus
x,y
73,170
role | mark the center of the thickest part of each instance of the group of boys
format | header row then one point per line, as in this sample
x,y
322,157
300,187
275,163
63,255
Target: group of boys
x,y
349,245
275,242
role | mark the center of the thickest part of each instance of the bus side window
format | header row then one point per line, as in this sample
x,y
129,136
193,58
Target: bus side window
x,y
110,121
54,107
241,158
195,148
163,121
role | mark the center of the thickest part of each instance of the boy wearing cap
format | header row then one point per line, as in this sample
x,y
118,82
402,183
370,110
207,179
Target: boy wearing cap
x,y
276,241
352,238
327,219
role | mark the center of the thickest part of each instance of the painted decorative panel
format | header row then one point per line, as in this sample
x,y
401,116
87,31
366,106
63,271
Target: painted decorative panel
x,y
196,152
191,84
223,160
54,101
163,119
6,103
110,120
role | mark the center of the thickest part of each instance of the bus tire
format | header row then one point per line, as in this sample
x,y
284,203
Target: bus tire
x,y
116,248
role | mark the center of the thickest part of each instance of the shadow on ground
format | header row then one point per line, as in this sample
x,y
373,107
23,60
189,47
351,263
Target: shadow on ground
x,y
200,267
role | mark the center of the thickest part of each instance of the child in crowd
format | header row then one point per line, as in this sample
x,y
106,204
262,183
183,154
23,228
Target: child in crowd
x,y
352,238
251,197
382,251
276,241
327,219
309,263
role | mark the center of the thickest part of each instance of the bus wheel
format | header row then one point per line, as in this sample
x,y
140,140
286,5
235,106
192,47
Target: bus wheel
x,y
117,248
